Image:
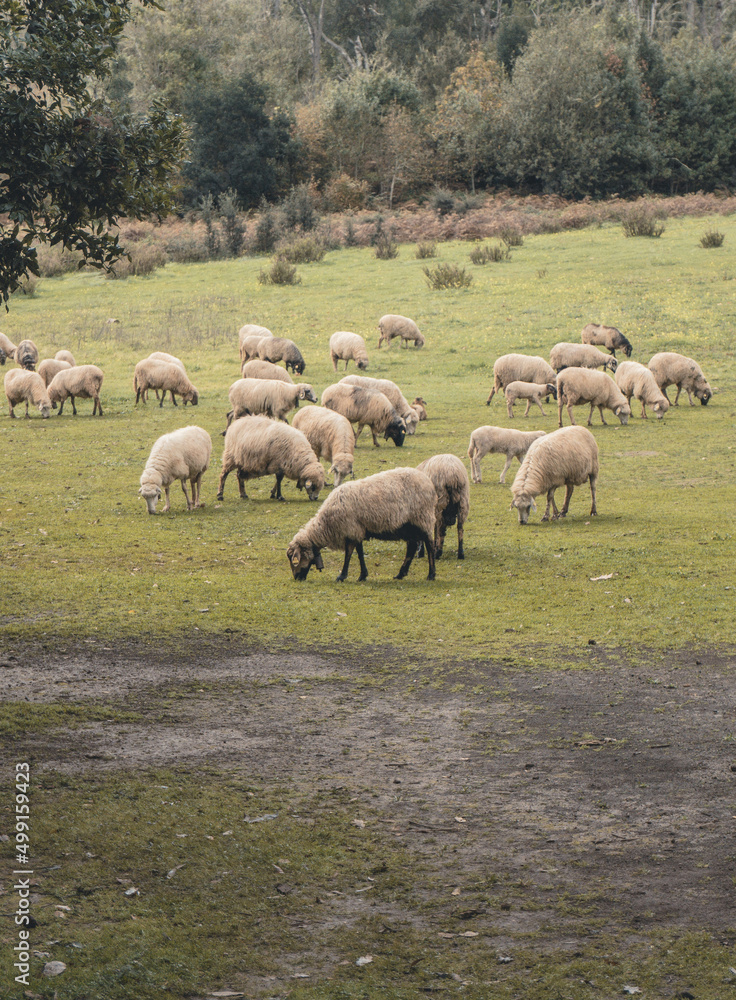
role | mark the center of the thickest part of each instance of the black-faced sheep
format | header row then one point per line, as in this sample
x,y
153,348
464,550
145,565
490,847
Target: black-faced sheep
x,y
82,381
450,479
392,393
606,336
397,505
22,386
392,326
532,392
183,454
26,354
258,446
281,349
249,337
331,437
255,368
7,349
576,386
636,380
488,440
670,368
367,408
564,355
566,457
165,376
519,368
266,396
347,347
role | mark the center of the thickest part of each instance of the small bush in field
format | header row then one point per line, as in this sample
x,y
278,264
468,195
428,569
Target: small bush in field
x,y
187,248
53,261
425,250
304,251
281,272
485,253
386,248
447,276
27,286
512,236
142,259
712,238
641,220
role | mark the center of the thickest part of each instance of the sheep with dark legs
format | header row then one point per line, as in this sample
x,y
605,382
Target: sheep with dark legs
x,y
258,446
567,457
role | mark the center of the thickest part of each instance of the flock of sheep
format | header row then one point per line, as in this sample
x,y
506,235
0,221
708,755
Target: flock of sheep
x,y
412,505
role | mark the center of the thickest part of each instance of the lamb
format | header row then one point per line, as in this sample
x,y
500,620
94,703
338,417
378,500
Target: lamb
x,y
581,385
65,356
532,392
450,479
50,367
165,376
182,454
281,349
84,381
519,368
26,354
249,338
331,438
606,336
392,393
566,457
366,407
669,368
399,326
7,349
565,355
256,368
396,505
634,379
489,440
24,386
257,446
274,399
420,408
347,347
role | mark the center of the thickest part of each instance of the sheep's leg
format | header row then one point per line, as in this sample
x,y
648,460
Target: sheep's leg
x,y
168,502
361,559
538,404
375,439
173,398
197,482
430,559
689,396
569,410
10,410
241,485
460,534
566,504
593,509
161,401
679,390
528,404
550,503
276,491
74,409
226,470
507,466
559,409
333,359
359,431
643,410
346,364
411,547
61,407
190,504
349,548
663,390
138,395
510,407
600,408
28,416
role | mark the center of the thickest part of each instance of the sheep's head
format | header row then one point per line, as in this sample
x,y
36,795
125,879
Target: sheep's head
x,y
298,366
611,363
151,494
191,397
396,431
302,558
411,420
660,407
313,482
627,348
524,503
552,389
307,392
623,412
45,409
341,468
703,394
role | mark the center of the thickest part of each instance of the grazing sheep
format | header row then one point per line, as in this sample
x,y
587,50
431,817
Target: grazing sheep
x,y
330,436
347,347
266,396
65,356
255,368
450,479
366,407
519,368
532,392
397,505
258,446
606,336
50,367
249,337
7,349
634,379
669,368
566,457
182,454
26,354
399,326
489,440
163,356
165,376
392,393
420,408
581,385
564,355
280,349
28,387
84,381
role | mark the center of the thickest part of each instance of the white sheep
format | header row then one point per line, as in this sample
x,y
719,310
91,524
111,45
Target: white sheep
x,y
183,454
255,368
82,381
50,367
347,347
258,446
392,393
576,386
450,479
330,436
636,380
566,457
281,349
266,396
532,392
566,355
519,368
65,356
396,505
22,386
26,354
606,336
172,360
670,368
367,408
7,349
165,376
392,326
249,337
488,440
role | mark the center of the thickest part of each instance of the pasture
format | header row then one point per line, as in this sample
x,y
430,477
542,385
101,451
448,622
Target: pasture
x,y
171,683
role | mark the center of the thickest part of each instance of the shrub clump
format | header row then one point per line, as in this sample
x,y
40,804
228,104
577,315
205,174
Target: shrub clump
x,y
141,259
447,276
512,236
305,251
712,238
53,261
641,220
386,247
344,194
281,272
485,253
425,251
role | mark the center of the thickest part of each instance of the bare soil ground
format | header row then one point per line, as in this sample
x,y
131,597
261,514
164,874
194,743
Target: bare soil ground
x,y
614,782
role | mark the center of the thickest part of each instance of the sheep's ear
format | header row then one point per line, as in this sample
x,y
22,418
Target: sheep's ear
x,y
534,506
295,558
140,491
512,504
302,393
